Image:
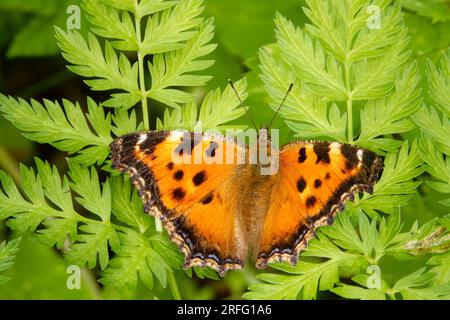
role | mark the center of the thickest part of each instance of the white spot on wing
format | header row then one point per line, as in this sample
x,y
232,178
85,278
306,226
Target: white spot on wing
x,y
142,138
176,135
335,145
360,154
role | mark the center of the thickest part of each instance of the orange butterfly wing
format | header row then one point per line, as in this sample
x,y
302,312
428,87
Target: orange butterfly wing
x,y
186,193
314,182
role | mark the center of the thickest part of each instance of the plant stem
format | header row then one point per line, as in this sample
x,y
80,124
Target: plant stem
x,y
8,164
350,120
349,101
143,91
158,226
173,286
145,117
141,74
348,78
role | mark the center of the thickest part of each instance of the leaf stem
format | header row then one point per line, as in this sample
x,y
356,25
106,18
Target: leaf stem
x,y
350,120
173,286
145,116
349,101
8,164
141,74
143,91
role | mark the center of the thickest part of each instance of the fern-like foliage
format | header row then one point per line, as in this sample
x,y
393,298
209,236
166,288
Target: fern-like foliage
x,y
435,146
435,125
66,128
339,60
171,32
208,116
8,252
48,203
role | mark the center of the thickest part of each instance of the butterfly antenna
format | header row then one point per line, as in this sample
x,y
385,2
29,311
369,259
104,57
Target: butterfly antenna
x,y
281,104
241,103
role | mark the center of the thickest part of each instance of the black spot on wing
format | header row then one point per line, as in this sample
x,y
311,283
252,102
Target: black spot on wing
x,y
207,199
327,176
317,183
170,165
199,178
322,151
178,194
178,175
310,201
301,184
302,155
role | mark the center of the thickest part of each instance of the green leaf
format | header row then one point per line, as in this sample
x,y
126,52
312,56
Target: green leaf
x,y
308,58
172,69
111,24
7,254
414,287
66,128
144,8
441,267
136,258
436,165
106,70
125,122
434,126
28,215
355,292
389,240
126,204
168,30
307,115
216,110
390,115
345,236
440,84
435,145
60,219
396,185
86,184
92,244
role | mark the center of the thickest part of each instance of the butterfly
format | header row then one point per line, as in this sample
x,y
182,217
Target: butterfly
x,y
220,213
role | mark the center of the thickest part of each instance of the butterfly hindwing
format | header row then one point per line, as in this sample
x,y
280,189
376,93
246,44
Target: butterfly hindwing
x,y
190,195
314,182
